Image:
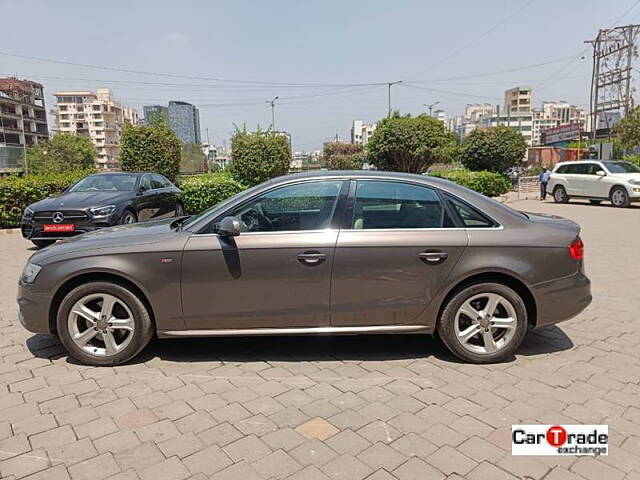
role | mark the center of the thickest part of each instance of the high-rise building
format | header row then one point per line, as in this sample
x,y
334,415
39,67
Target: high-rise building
x,y
155,111
23,120
96,115
184,120
517,99
361,132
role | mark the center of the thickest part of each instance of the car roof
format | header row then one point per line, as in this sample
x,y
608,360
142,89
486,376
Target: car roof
x,y
119,173
360,174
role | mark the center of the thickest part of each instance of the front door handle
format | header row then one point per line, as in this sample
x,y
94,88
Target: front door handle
x,y
311,257
433,257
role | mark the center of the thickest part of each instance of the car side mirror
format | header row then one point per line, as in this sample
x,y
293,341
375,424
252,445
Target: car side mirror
x,y
601,173
228,227
141,190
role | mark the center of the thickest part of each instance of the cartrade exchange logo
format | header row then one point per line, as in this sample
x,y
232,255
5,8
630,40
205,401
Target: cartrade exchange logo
x,y
560,440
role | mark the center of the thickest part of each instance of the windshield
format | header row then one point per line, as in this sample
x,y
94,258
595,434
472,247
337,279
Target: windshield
x,y
621,167
106,183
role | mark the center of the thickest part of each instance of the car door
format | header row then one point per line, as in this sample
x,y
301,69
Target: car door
x,y
599,183
163,196
144,202
276,273
399,247
577,179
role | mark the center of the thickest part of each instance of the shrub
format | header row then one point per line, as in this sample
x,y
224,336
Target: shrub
x,y
487,183
65,151
200,192
633,158
16,193
150,149
259,156
494,149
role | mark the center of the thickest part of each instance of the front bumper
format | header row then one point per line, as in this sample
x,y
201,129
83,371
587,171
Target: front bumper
x,y
562,299
34,309
33,227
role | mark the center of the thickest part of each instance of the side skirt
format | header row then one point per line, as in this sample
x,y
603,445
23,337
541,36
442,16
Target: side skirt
x,y
296,331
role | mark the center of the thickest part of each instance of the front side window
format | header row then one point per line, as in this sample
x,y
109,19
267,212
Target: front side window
x,y
156,181
383,205
145,183
304,206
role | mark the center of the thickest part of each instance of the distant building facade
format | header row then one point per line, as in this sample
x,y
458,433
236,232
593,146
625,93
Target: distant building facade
x,y
96,115
184,120
361,132
155,111
23,120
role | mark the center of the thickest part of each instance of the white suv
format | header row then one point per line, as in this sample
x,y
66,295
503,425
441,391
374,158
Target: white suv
x,y
596,181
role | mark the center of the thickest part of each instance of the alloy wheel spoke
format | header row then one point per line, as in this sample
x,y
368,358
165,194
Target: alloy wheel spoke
x,y
121,324
489,342
82,338
468,333
508,323
86,313
108,302
110,345
493,301
468,310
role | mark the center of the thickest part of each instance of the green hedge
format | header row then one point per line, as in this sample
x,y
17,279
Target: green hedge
x,y
487,183
16,193
200,192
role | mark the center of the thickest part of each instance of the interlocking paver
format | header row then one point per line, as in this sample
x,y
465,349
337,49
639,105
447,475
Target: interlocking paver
x,y
208,461
347,467
417,469
96,468
170,469
278,464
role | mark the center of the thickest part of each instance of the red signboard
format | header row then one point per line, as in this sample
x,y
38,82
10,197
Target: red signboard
x,y
563,133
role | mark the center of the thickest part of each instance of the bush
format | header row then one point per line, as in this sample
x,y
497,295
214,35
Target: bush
x,y
150,149
16,193
487,183
200,192
63,152
633,158
494,149
259,156
343,156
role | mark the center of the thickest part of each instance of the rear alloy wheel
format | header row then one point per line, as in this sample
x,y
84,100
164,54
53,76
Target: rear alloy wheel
x,y
560,195
484,323
128,217
619,197
103,324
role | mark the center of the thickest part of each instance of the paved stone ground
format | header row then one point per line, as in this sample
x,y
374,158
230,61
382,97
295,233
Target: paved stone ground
x,y
343,408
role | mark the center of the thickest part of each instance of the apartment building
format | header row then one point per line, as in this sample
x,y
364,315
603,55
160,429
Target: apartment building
x,y
96,115
361,132
23,120
517,99
463,125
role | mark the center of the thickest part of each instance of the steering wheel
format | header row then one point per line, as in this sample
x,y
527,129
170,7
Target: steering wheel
x,y
256,220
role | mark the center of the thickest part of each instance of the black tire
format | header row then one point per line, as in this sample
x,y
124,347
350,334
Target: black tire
x,y
595,202
179,210
43,243
128,217
560,195
619,197
143,325
446,323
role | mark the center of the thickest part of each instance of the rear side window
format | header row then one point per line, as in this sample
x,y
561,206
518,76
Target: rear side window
x,y
384,205
469,216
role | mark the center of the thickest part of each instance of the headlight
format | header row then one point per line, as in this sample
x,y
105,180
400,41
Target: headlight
x,y
30,273
102,211
634,182
28,213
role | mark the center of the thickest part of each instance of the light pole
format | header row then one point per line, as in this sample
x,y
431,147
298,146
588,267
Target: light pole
x,y
273,114
430,107
389,85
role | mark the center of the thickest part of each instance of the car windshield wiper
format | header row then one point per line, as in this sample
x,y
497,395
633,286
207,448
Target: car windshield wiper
x,y
178,222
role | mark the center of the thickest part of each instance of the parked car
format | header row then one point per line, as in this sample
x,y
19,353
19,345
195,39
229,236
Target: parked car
x,y
314,253
617,181
101,200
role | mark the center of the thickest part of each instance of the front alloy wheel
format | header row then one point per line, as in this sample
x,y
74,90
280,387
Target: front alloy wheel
x,y
483,323
560,195
619,197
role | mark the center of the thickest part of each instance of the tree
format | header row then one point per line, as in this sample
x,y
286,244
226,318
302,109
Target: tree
x,y
64,152
343,156
258,156
409,144
494,149
628,130
150,149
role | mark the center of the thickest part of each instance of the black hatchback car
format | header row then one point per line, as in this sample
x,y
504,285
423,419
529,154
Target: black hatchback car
x,y
101,200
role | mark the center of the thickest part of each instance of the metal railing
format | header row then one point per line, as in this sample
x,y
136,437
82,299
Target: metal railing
x,y
528,187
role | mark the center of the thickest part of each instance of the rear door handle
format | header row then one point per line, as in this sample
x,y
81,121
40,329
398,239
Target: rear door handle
x,y
433,257
311,257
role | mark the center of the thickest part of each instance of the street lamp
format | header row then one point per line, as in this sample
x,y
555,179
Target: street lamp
x,y
430,106
273,115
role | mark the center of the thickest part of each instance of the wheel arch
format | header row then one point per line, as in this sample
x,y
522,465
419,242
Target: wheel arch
x,y
86,277
617,185
497,277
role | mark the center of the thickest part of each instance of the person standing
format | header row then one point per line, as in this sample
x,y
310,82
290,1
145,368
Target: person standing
x,y
543,179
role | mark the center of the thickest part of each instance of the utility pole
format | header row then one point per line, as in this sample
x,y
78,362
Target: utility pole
x,y
430,106
273,114
389,85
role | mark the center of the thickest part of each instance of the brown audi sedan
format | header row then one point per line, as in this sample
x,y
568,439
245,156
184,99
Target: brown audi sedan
x,y
315,253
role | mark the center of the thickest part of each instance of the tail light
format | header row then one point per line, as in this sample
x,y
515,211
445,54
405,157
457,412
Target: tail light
x,y
576,249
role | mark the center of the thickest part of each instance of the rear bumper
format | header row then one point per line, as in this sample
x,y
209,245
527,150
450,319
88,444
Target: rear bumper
x,y
562,299
33,310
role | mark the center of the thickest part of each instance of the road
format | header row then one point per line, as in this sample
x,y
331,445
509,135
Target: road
x,y
377,407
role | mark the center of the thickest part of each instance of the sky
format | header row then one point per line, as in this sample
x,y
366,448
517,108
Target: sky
x,y
327,61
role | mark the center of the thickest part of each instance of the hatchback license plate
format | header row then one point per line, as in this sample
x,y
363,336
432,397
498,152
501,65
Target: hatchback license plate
x,y
66,227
